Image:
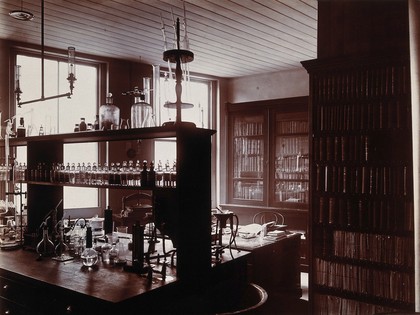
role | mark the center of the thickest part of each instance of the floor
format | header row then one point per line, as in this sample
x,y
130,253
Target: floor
x,y
281,305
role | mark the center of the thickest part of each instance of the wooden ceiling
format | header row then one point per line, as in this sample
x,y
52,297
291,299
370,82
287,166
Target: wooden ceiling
x,y
229,38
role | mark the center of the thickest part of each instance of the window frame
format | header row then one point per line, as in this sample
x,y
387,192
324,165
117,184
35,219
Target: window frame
x,y
61,55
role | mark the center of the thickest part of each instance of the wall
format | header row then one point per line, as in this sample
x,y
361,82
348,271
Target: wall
x,y
268,86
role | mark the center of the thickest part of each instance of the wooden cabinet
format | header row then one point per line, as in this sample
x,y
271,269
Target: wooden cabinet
x,y
362,239
268,160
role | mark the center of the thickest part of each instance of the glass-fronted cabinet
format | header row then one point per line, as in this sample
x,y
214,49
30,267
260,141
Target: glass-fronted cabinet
x,y
268,160
291,160
248,157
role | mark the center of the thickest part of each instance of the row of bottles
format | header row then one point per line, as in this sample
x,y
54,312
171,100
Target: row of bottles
x,y
127,173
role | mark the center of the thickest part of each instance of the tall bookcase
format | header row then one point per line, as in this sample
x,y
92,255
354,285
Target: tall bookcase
x,y
361,216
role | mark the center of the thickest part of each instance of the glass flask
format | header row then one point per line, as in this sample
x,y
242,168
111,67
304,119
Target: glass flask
x,y
89,255
109,114
45,247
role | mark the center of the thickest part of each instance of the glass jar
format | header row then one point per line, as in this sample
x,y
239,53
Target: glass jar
x,y
82,125
141,112
109,115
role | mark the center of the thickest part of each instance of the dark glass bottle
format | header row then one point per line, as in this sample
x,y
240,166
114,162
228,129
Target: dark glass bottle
x,y
82,125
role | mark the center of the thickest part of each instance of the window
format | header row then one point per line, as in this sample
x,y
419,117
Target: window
x,y
196,92
60,115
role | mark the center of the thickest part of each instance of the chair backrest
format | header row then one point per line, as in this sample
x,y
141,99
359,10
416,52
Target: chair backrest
x,y
268,216
136,200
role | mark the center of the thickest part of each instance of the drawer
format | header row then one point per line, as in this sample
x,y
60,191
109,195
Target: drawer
x,y
10,308
20,293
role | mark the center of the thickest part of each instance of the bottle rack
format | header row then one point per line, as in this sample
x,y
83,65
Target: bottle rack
x,y
361,187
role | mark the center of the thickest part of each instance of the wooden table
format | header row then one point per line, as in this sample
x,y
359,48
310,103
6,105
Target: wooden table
x,y
49,287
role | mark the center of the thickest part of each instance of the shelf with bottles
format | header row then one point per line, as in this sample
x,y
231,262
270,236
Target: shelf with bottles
x,y
128,174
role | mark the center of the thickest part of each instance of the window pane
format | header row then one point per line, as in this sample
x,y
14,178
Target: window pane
x,y
194,92
61,114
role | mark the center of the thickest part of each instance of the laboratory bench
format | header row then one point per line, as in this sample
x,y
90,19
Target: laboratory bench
x,y
44,286
274,265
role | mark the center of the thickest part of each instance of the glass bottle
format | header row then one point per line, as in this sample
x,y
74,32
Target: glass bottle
x,y
143,175
105,249
41,131
45,247
151,176
89,255
109,114
82,124
21,131
114,253
96,123
76,128
141,110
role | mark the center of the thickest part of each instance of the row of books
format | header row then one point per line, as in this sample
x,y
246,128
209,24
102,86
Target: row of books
x,y
375,283
386,249
375,214
297,193
289,167
286,146
334,305
358,148
248,127
292,126
376,115
372,180
248,166
248,146
387,80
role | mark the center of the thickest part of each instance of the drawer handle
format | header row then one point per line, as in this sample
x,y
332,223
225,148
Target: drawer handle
x,y
5,287
6,312
69,309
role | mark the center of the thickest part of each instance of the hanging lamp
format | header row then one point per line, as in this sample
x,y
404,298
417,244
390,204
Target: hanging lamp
x,y
26,16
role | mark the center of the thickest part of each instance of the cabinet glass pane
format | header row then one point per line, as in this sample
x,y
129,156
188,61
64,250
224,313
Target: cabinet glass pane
x,y
291,160
248,157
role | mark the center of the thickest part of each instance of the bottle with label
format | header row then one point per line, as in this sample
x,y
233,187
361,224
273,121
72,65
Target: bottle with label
x,y
89,255
41,131
109,114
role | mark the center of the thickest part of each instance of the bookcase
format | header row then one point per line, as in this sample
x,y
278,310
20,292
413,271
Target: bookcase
x,y
268,161
361,215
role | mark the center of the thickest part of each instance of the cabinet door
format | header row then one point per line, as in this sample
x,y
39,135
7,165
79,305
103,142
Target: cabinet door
x,y
291,159
247,162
